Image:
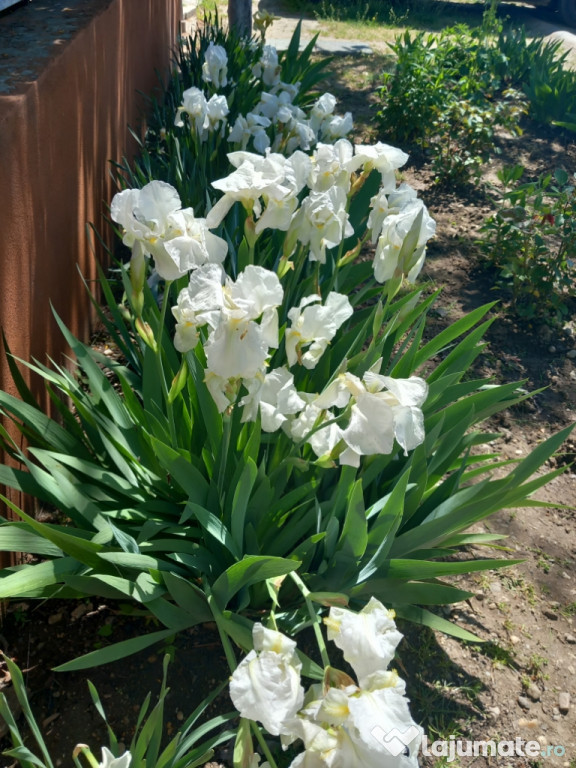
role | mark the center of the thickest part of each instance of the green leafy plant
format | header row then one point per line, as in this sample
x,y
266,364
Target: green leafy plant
x,y
531,240
192,746
448,95
276,422
468,131
191,522
538,68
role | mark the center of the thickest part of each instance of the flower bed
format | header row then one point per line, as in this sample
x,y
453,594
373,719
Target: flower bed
x,y
278,443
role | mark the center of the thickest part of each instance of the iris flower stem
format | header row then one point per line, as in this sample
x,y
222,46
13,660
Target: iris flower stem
x,y
227,428
83,749
159,347
314,616
262,742
226,645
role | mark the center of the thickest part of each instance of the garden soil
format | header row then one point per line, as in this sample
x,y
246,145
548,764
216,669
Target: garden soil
x,y
521,682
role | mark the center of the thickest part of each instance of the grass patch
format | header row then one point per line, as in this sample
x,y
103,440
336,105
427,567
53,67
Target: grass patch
x,y
432,15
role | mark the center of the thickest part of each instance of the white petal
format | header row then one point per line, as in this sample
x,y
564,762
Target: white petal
x,y
157,200
336,395
109,761
167,266
186,337
217,386
265,639
409,427
237,350
256,290
349,458
313,354
325,440
368,639
374,716
218,212
371,427
266,688
411,391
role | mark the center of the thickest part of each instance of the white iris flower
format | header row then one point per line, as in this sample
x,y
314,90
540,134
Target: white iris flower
x,y
243,319
368,639
322,222
314,325
266,684
274,395
401,247
380,157
383,409
177,241
215,66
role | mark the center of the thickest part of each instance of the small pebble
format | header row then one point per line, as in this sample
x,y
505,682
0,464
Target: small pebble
x,y
80,610
570,639
564,702
524,702
550,614
552,349
571,354
533,692
514,639
55,618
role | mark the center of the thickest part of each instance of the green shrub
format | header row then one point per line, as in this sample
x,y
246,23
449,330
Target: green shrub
x,y
531,240
446,95
537,67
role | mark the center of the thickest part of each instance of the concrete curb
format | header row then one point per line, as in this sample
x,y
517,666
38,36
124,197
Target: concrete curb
x,y
326,45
